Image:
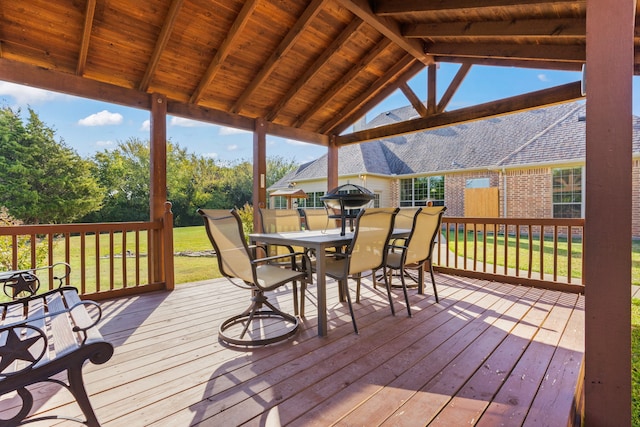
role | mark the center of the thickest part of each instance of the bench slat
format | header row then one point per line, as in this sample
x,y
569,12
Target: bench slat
x,y
81,317
61,326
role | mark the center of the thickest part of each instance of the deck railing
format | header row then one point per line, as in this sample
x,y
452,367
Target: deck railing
x,y
540,252
106,259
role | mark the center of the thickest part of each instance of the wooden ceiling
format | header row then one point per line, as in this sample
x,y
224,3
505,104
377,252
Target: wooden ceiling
x,y
310,69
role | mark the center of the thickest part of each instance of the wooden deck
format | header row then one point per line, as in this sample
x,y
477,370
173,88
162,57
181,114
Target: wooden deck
x,y
488,354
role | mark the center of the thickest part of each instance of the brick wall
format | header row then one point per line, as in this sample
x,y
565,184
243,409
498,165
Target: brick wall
x,y
454,186
528,193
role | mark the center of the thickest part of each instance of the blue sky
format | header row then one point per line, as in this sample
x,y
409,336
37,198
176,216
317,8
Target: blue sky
x,y
90,126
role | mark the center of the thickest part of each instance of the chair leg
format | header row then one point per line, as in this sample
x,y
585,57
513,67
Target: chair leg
x,y
404,290
295,298
358,279
353,317
388,286
433,282
303,289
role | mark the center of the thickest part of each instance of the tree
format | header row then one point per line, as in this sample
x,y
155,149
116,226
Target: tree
x,y
41,179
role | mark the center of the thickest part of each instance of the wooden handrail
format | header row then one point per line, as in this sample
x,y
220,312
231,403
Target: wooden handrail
x,y
504,248
106,258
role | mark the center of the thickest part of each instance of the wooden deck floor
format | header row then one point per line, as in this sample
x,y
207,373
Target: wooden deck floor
x,y
488,354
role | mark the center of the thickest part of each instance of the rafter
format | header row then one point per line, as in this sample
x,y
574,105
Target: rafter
x,y
225,49
86,36
538,28
308,75
395,7
416,103
285,45
559,53
387,27
527,101
345,80
453,87
161,43
383,87
410,72
431,88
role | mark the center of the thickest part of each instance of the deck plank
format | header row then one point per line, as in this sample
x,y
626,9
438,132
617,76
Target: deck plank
x,y
458,362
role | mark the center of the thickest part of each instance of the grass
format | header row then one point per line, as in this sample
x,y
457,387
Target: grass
x,y
489,240
635,362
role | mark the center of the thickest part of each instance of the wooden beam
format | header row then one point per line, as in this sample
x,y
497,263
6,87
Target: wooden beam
x,y
310,12
528,101
259,170
608,212
395,7
519,63
511,51
161,43
344,81
315,68
413,99
157,181
86,36
431,88
453,87
387,27
389,81
224,50
30,75
538,28
332,164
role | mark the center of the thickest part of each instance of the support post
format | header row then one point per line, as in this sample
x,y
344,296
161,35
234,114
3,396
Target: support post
x,y
332,164
609,71
158,183
259,169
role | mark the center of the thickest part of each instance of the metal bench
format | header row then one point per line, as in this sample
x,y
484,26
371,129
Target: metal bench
x,y
44,335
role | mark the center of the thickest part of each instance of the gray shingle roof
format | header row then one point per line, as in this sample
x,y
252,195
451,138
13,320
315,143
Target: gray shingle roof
x,y
542,136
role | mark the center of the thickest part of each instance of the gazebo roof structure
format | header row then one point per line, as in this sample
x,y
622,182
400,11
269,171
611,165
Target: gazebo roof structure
x,y
309,69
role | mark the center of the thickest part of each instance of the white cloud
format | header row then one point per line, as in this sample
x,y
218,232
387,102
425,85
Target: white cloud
x,y
224,130
294,142
103,118
232,147
146,125
210,155
186,123
25,95
543,77
105,143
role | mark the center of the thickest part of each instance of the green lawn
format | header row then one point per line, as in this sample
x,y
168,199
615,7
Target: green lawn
x,y
490,240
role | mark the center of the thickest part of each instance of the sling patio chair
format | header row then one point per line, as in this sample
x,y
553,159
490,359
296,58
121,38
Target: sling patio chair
x,y
417,250
367,251
317,219
261,323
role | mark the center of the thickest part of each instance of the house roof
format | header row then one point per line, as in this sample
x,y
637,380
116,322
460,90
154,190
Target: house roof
x,y
542,136
307,69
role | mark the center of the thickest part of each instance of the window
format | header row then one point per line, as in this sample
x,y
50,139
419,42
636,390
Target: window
x,y
567,193
419,191
312,200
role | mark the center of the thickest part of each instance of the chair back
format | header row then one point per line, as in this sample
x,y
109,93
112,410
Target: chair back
x,y
317,219
369,247
426,226
278,221
224,229
404,218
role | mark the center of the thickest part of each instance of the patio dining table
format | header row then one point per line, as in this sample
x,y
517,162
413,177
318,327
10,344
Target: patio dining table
x,y
319,241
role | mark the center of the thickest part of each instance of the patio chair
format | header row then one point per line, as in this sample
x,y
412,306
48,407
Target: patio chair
x,y
278,221
367,251
317,219
416,251
238,264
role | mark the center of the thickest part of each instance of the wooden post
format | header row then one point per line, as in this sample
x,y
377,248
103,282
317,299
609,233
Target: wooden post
x,y
332,164
167,240
158,183
259,170
431,89
609,71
